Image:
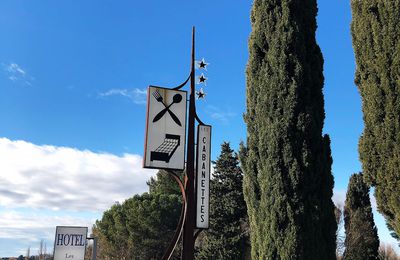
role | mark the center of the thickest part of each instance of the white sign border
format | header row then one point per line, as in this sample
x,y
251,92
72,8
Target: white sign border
x,y
147,127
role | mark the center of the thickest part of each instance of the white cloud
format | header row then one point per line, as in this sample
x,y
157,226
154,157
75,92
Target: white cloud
x,y
223,116
50,177
138,96
36,226
23,231
44,186
339,196
16,74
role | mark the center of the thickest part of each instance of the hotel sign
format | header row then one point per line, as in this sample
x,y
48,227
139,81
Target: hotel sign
x,y
70,243
203,175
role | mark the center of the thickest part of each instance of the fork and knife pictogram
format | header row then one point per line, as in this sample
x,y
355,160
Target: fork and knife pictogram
x,y
177,98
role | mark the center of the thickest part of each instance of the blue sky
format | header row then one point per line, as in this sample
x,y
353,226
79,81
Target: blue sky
x,y
73,76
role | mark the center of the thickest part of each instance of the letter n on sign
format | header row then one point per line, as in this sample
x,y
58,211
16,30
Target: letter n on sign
x,y
203,175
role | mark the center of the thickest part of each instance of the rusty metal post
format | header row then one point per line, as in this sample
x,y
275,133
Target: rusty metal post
x,y
188,232
178,232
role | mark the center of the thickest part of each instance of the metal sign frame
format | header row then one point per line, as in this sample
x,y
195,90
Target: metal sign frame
x,y
198,177
173,138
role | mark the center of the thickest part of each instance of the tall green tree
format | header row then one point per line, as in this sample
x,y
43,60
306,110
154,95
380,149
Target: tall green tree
x,y
376,41
362,242
287,162
226,238
143,226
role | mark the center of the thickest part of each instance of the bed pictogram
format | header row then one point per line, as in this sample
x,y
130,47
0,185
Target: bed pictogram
x,y
165,151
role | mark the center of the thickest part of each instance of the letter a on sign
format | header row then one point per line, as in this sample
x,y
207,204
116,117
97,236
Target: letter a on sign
x,y
165,129
203,175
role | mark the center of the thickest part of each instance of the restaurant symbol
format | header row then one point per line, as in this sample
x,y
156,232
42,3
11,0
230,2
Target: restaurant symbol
x,y
175,100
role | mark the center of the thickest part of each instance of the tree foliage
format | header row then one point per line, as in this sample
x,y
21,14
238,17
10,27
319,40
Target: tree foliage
x,y
226,238
141,227
376,41
163,184
362,242
287,163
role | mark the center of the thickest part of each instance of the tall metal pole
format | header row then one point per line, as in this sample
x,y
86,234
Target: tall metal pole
x,y
94,249
188,232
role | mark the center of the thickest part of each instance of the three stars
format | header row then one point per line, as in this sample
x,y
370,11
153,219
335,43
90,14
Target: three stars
x,y
202,64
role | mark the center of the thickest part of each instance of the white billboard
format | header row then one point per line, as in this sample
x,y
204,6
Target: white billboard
x,y
165,129
70,243
203,175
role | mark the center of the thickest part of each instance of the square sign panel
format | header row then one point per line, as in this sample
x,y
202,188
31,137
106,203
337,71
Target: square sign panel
x,y
70,243
165,129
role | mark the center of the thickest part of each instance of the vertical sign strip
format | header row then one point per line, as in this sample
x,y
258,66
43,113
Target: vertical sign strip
x,y
203,175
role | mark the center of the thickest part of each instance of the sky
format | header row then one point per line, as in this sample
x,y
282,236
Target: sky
x,y
73,81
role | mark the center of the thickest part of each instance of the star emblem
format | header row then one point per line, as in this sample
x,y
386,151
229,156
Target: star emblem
x,y
202,64
201,94
202,79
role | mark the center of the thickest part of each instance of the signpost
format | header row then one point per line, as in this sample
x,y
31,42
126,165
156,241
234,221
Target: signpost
x,y
70,243
165,149
203,175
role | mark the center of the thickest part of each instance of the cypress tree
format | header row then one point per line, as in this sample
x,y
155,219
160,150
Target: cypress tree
x,y
376,42
362,242
225,239
287,162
